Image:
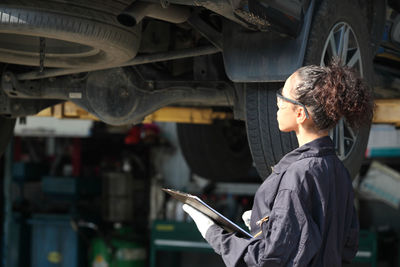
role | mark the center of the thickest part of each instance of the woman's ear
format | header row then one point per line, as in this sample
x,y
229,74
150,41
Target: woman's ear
x,y
300,115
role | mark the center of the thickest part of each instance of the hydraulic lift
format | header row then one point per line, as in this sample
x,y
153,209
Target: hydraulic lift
x,y
386,111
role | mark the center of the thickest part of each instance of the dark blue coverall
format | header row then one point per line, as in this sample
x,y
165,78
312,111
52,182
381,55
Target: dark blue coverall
x,y
308,199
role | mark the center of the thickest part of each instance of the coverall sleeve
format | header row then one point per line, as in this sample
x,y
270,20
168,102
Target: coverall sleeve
x,y
351,242
284,237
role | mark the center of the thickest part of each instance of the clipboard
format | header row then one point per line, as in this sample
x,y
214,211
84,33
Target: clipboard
x,y
201,206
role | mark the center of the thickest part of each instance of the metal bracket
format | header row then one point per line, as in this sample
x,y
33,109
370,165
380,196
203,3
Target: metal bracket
x,y
7,84
61,88
206,30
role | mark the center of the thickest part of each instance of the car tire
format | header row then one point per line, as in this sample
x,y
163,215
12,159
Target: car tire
x,y
218,152
76,34
268,145
328,19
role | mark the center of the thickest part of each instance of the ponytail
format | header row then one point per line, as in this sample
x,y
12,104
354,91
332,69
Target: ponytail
x,y
334,92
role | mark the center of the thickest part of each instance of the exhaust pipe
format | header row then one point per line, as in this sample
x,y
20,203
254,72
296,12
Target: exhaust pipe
x,y
133,14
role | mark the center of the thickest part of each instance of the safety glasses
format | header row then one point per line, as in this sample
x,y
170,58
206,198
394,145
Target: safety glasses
x,y
280,96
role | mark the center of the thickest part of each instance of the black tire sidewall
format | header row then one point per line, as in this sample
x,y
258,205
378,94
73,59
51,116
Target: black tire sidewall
x,y
208,154
267,143
114,43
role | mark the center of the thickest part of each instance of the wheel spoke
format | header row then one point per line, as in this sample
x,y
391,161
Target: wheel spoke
x,y
332,44
354,59
344,43
341,39
352,135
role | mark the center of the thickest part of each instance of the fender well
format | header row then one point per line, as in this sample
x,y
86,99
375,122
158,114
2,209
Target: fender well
x,y
263,56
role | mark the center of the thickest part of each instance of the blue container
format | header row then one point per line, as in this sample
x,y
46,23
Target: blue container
x,y
18,242
54,242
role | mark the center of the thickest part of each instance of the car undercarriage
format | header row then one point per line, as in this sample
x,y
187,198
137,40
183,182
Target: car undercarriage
x,y
122,60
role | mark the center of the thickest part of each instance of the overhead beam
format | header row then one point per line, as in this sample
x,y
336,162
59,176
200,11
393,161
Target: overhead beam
x,y
69,110
386,111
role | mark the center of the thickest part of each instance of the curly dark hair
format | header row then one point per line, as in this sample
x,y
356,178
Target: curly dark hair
x,y
334,92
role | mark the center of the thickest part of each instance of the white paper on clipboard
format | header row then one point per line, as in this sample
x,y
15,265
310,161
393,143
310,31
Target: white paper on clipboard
x,y
201,206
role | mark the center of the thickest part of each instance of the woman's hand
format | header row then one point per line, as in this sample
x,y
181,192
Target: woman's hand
x,y
246,218
202,221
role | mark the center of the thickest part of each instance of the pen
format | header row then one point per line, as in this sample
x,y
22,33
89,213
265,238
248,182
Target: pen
x,y
260,222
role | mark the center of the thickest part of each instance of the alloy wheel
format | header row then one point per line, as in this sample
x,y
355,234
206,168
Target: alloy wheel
x,y
342,43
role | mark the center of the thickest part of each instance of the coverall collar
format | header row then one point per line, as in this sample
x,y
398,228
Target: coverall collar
x,y
319,147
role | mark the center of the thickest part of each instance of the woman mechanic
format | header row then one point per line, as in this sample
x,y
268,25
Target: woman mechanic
x,y
304,211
